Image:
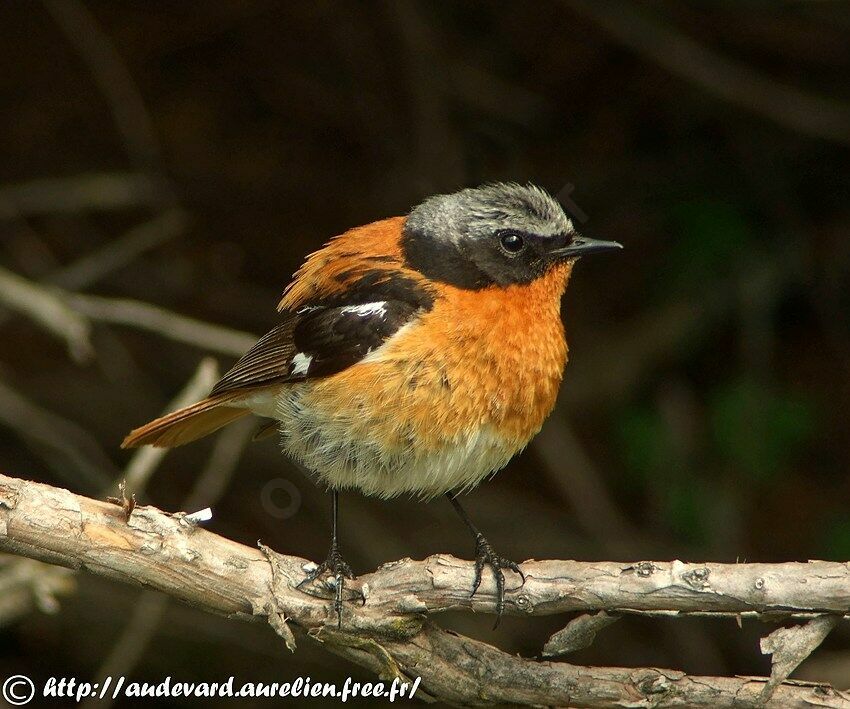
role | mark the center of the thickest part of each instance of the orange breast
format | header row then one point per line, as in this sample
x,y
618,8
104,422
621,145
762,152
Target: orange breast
x,y
489,359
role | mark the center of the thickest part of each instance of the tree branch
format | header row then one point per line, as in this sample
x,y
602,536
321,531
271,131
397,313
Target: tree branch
x,y
82,193
144,316
389,631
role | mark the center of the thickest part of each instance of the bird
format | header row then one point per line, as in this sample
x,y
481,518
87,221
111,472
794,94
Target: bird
x,y
415,355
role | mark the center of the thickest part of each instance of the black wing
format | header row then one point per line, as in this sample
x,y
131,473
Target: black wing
x,y
316,342
266,362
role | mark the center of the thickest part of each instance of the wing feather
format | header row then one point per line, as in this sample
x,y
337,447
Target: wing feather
x,y
267,362
316,342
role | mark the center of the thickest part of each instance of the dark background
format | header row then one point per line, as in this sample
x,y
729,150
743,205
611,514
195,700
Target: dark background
x,y
703,414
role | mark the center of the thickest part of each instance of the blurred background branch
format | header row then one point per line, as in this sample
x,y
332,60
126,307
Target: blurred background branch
x,y
81,193
113,79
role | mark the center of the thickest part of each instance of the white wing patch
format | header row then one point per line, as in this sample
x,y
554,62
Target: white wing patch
x,y
378,308
301,363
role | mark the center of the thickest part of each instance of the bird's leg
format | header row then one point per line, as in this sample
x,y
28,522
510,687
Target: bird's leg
x,y
334,564
484,554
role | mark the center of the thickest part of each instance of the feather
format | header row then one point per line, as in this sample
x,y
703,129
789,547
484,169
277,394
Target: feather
x,y
187,424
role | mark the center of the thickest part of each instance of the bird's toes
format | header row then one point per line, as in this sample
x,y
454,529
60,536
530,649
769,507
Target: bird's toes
x,y
486,556
338,571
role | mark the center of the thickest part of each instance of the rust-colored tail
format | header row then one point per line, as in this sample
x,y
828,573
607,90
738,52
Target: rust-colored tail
x,y
187,424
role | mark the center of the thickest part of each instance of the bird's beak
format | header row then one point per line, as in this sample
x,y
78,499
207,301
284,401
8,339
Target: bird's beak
x,y
582,246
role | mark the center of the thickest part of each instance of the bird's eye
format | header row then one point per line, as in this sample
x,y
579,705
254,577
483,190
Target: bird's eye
x,y
512,243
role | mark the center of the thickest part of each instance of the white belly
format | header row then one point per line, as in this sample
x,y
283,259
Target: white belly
x,y
341,456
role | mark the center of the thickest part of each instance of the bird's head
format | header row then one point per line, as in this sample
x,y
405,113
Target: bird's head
x,y
498,234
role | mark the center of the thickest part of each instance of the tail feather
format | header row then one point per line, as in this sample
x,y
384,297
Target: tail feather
x,y
187,424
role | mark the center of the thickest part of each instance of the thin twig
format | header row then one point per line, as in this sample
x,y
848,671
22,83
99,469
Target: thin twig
x,y
110,73
180,328
119,252
82,193
80,462
44,307
67,315
26,585
116,254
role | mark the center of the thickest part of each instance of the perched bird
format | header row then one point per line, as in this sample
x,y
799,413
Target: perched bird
x,y
414,355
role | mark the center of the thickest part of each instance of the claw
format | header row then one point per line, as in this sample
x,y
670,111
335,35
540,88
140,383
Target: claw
x,y
340,570
484,554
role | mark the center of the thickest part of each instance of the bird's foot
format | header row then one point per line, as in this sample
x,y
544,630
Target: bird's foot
x,y
339,570
484,554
